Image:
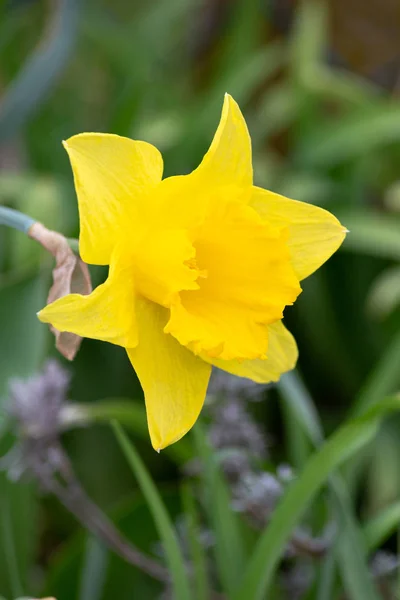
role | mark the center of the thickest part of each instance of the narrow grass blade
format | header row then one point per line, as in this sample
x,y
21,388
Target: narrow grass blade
x,y
379,528
94,570
355,135
229,550
41,70
326,578
176,563
383,380
309,37
384,296
197,551
345,442
7,539
296,396
130,413
372,233
349,549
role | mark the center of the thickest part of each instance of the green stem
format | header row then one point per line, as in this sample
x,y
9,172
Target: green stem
x,y
14,218
18,220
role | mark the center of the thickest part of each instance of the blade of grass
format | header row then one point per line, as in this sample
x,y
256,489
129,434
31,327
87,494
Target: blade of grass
x,y
345,442
357,133
309,37
130,413
349,548
9,547
295,395
198,555
326,578
379,528
41,70
372,233
297,441
175,560
383,380
94,570
229,551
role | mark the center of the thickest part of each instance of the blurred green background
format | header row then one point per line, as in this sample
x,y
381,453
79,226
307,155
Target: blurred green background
x,y
319,85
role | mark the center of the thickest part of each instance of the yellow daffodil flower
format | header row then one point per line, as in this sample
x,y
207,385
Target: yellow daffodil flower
x,y
201,267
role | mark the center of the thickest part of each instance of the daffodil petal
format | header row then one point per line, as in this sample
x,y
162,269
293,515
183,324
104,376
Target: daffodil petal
x,y
106,314
282,357
224,174
314,233
174,381
228,160
112,176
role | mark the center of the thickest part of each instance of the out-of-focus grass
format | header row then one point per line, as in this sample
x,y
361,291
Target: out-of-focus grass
x,y
157,71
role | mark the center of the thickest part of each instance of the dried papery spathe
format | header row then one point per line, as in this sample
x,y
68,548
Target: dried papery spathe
x,y
70,276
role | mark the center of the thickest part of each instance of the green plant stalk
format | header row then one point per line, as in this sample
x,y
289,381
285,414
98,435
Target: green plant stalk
x,y
18,220
228,548
179,576
198,553
379,528
15,219
94,570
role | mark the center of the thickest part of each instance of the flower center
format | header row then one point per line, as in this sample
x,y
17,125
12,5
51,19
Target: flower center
x,y
249,281
164,265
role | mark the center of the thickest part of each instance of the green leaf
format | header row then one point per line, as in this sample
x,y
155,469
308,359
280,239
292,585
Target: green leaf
x,y
340,86
277,110
129,413
384,295
228,548
8,543
379,528
94,570
197,551
349,547
23,342
41,70
356,134
309,37
372,233
295,394
242,36
298,443
22,336
18,535
326,578
382,380
344,443
132,517
180,579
